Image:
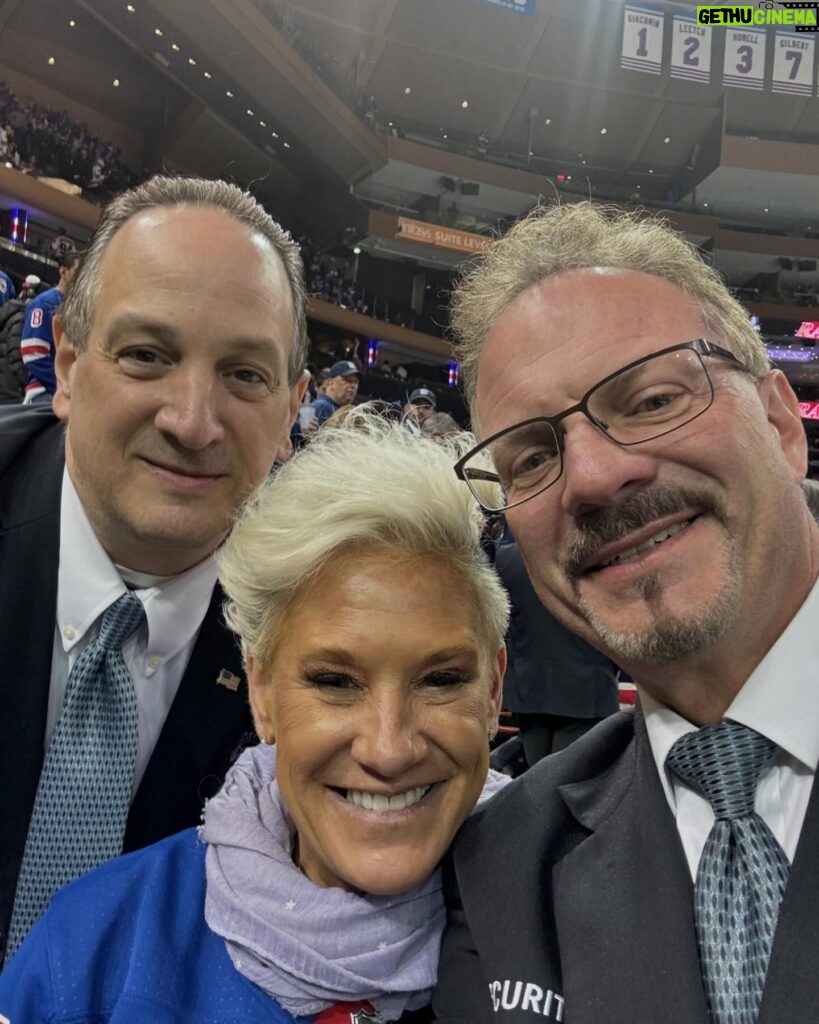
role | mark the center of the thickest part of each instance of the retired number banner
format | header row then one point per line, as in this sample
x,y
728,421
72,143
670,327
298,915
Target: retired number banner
x,y
793,63
642,39
744,65
690,50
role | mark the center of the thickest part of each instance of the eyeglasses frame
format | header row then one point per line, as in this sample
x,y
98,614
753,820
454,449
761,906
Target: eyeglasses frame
x,y
699,345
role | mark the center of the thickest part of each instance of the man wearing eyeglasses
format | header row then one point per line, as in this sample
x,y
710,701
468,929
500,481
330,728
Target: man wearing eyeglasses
x,y
663,869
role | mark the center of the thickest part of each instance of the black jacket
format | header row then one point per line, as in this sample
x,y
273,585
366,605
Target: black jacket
x,y
551,670
12,369
208,724
569,891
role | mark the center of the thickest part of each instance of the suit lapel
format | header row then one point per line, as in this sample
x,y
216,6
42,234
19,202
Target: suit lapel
x,y
29,560
792,988
623,901
207,727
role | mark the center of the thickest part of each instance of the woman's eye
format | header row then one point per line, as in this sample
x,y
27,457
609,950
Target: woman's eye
x,y
331,681
444,678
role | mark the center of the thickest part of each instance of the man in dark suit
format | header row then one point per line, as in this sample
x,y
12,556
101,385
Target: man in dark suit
x,y
174,399
557,685
663,867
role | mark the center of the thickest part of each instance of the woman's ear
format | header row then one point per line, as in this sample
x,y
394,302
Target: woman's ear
x,y
496,692
261,704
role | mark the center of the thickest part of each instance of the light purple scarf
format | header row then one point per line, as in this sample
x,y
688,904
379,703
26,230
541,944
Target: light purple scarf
x,y
306,946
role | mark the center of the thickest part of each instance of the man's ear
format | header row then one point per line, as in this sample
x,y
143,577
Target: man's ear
x,y
285,449
259,686
782,408
64,360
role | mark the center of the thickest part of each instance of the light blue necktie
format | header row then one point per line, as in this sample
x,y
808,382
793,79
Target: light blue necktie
x,y
84,792
743,870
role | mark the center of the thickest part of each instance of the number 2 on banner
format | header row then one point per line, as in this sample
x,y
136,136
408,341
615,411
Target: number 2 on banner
x,y
690,48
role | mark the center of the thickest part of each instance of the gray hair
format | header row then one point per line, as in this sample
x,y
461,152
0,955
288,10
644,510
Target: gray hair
x,y
77,311
366,485
439,424
552,240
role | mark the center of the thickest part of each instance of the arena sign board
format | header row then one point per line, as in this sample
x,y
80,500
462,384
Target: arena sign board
x,y
444,238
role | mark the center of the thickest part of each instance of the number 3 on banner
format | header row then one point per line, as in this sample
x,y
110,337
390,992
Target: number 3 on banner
x,y
746,59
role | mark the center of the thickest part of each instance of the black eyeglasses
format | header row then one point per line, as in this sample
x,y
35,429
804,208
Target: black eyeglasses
x,y
644,400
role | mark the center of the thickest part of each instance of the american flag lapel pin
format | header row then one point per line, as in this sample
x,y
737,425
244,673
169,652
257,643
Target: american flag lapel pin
x,y
228,679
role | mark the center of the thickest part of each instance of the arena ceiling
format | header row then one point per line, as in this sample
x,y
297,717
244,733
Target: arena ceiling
x,y
264,90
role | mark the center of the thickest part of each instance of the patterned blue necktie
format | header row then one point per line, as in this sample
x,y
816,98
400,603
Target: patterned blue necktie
x,y
743,870
84,792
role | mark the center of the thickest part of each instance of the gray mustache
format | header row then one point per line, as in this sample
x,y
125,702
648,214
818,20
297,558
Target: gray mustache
x,y
609,525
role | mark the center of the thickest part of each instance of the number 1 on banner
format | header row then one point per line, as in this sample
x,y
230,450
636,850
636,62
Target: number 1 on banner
x,y
642,39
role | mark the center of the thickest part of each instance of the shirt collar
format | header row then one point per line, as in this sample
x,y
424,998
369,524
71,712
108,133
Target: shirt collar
x,y
88,583
778,700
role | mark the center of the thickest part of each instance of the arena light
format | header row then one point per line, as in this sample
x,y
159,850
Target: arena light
x,y
115,83
130,8
192,62
158,32
229,94
51,62
464,104
175,47
207,74
72,24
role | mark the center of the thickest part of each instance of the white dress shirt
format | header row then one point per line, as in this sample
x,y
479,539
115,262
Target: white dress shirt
x,y
780,699
156,654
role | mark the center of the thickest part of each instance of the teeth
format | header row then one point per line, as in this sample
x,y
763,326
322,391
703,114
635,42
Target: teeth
x,y
632,553
377,802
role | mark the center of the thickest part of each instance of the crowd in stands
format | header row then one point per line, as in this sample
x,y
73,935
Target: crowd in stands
x,y
331,279
48,143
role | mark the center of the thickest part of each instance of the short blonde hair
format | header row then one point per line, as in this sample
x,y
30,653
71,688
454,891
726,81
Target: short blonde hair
x,y
370,484
552,240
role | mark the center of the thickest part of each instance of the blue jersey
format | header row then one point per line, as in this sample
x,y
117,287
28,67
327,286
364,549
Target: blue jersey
x,y
7,289
37,343
325,407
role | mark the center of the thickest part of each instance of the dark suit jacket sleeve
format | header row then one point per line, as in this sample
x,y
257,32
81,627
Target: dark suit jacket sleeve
x,y
462,992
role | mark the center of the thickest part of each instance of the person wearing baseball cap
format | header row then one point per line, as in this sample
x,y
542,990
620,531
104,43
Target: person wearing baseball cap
x,y
422,403
340,389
